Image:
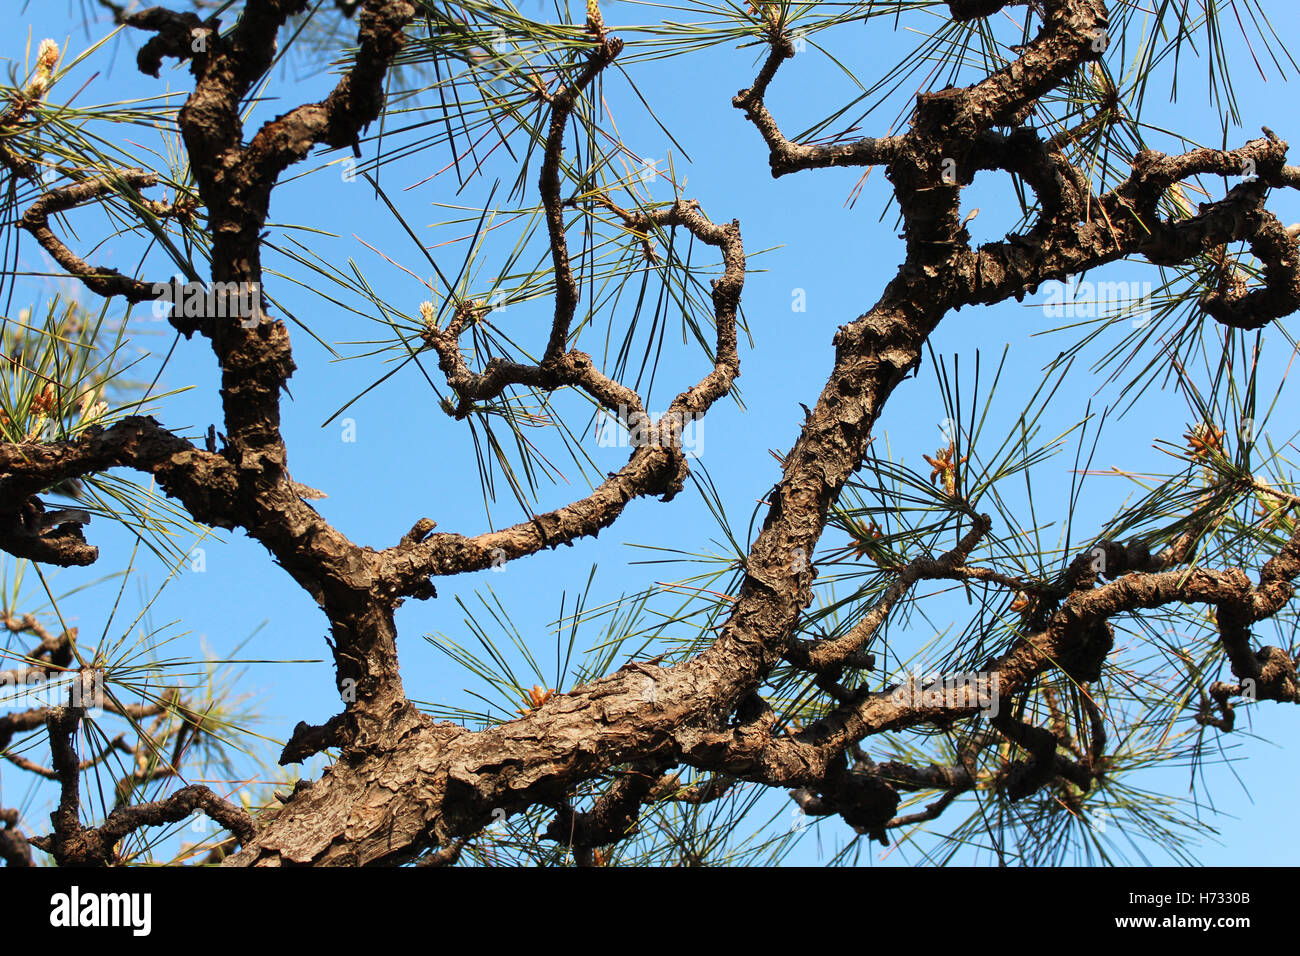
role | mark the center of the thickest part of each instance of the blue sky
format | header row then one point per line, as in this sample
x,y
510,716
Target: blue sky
x,y
409,460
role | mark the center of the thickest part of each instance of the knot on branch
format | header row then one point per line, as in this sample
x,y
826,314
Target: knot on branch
x,y
674,473
1116,558
612,817
964,10
51,537
309,739
1235,304
1277,676
1027,776
1276,679
14,849
1082,659
860,797
180,35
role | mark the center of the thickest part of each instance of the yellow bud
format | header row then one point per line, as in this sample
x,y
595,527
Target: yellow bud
x,y
46,57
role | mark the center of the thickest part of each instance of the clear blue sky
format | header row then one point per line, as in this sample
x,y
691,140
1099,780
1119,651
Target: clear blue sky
x,y
409,460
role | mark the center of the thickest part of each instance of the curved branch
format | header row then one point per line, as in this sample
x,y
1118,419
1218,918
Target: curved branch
x,y
102,281
824,655
353,104
204,481
654,468
72,844
562,104
786,157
